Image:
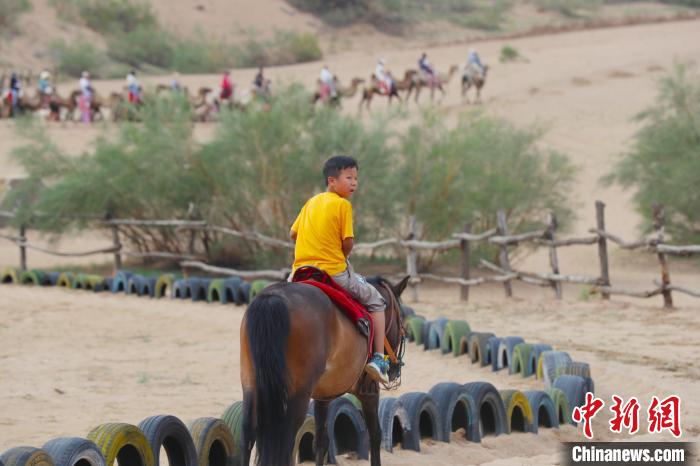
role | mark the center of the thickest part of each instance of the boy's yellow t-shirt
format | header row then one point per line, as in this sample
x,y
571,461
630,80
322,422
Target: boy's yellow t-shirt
x,y
321,226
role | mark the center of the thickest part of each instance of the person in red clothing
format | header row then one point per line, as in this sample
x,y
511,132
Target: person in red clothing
x,y
226,87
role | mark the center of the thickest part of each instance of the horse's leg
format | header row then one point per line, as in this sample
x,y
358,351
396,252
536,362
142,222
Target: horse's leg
x,y
296,411
248,428
321,436
370,409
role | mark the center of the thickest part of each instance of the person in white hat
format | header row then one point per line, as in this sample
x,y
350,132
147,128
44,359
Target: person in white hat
x,y
382,78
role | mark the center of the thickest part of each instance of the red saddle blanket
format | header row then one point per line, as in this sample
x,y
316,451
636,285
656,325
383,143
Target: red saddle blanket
x,y
352,309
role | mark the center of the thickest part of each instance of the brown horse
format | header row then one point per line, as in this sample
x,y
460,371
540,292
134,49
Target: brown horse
x,y
296,345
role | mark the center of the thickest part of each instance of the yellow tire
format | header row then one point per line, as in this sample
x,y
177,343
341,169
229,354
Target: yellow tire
x,y
208,432
9,275
123,442
66,280
518,410
26,456
164,286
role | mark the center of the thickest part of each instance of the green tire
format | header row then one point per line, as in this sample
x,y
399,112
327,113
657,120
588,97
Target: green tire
x,y
66,280
217,291
233,418
561,404
514,400
414,327
112,438
521,360
256,287
164,285
33,277
9,276
451,341
209,433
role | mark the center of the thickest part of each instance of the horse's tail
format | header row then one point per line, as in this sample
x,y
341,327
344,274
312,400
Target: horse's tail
x,y
268,330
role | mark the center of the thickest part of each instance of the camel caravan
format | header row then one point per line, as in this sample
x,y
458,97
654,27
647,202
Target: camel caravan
x,y
85,104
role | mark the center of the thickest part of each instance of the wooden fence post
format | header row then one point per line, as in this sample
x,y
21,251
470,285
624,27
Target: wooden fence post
x,y
503,256
23,247
602,247
118,245
659,223
553,260
464,245
412,259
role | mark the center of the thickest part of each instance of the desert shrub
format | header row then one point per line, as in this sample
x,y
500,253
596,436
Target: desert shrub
x,y
116,16
9,11
509,53
73,58
571,8
663,164
284,48
480,166
200,55
489,16
143,45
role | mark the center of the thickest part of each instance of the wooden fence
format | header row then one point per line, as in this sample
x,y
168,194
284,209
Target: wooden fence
x,y
500,237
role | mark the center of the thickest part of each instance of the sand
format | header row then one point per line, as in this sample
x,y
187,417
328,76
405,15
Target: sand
x,y
118,358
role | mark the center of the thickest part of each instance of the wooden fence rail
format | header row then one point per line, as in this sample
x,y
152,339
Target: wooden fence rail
x,y
498,237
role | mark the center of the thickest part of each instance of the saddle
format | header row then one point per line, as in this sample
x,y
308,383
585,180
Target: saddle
x,y
348,305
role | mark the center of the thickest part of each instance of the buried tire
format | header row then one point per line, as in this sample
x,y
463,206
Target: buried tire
x,y
213,442
574,387
231,290
457,410
33,277
489,406
164,286
424,419
479,348
505,351
121,281
436,332
494,344
561,405
74,451
549,363
346,430
233,418
537,350
170,433
124,443
413,327
9,276
216,292
518,411
26,456
65,280
544,413
197,288
451,341
394,422
304,441
522,358
179,289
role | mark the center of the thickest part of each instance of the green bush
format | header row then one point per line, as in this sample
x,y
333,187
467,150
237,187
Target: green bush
x,y
664,161
489,17
116,16
284,48
571,8
143,45
509,53
76,57
9,11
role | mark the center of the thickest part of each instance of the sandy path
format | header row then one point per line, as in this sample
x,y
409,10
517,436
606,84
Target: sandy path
x,y
120,358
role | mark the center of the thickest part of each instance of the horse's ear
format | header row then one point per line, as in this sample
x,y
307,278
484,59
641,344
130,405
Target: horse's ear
x,y
401,286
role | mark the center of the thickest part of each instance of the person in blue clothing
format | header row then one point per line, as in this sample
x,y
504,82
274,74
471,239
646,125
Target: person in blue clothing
x,y
15,92
473,59
426,70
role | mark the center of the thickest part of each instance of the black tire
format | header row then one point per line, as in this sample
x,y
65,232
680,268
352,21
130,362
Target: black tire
x,y
479,348
26,456
244,293
436,333
135,284
424,417
407,311
544,413
346,430
457,410
494,343
582,369
120,282
424,330
233,418
179,289
52,278
172,434
489,405
198,288
108,283
574,387
213,442
394,422
505,351
537,350
69,451
551,361
230,290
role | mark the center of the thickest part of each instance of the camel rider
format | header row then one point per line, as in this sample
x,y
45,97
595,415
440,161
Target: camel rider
x,y
86,85
15,91
175,83
84,102
474,60
328,87
383,79
133,88
261,85
426,69
44,84
226,86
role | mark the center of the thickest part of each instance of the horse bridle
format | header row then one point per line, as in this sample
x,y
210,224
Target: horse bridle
x,y
394,318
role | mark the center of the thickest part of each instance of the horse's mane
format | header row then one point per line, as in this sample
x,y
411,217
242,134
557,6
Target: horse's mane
x,y
377,281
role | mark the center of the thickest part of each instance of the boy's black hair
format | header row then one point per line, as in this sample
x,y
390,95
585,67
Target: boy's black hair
x,y
336,164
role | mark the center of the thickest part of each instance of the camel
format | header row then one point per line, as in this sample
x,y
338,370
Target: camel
x,y
407,83
440,80
472,76
342,92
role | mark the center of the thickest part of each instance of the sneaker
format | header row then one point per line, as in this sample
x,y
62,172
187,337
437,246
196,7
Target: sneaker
x,y
377,368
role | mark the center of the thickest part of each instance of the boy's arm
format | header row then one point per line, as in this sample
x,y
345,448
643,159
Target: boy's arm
x,y
347,246
293,235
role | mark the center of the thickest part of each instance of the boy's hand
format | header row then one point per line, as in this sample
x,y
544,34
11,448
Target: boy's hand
x,y
293,235
347,246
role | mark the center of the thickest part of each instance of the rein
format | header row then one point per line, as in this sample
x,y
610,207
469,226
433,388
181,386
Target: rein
x,y
394,319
